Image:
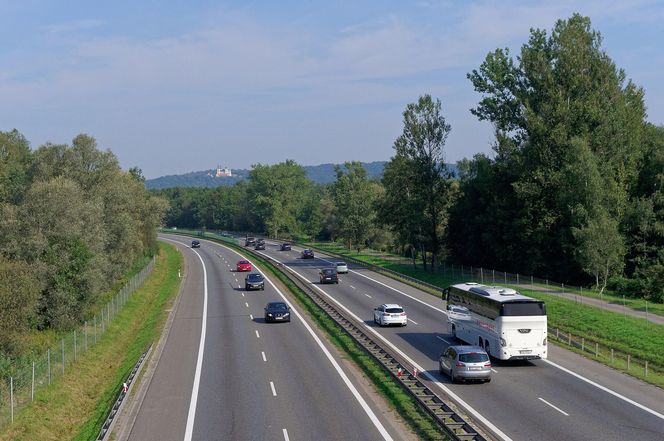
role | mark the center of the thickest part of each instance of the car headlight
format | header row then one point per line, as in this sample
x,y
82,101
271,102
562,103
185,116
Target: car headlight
x,y
286,313
269,314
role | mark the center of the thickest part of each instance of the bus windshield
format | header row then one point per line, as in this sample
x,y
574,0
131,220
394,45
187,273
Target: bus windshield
x,y
523,309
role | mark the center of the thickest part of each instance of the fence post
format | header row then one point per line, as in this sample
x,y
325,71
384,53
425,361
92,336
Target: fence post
x,y
48,362
628,361
493,275
32,390
531,280
517,278
95,329
611,355
569,339
74,344
63,355
557,333
646,368
505,277
11,396
85,336
482,277
583,344
596,349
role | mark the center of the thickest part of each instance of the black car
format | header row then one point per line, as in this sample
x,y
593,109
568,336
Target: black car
x,y
254,281
285,246
249,241
328,275
277,312
260,246
307,254
195,244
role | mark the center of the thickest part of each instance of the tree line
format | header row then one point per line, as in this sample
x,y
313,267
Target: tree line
x,y
72,224
572,192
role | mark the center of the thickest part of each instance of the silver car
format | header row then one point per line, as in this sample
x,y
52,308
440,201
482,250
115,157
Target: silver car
x,y
465,363
342,267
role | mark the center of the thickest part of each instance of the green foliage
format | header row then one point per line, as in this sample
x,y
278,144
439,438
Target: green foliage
x,y
353,204
18,302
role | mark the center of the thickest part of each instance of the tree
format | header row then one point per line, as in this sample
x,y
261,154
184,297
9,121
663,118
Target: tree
x,y
353,204
418,176
561,93
18,302
14,164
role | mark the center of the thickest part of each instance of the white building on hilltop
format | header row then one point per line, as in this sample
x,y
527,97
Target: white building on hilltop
x,y
223,172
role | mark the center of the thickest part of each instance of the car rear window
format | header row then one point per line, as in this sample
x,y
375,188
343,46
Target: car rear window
x,y
394,310
255,277
473,357
243,262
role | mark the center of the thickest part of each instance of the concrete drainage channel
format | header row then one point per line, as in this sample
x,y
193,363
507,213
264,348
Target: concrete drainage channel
x,y
449,420
108,424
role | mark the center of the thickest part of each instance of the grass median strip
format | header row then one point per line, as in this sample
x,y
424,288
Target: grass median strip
x,y
75,406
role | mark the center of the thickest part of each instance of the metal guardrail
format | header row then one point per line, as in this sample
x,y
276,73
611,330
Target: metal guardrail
x,y
105,429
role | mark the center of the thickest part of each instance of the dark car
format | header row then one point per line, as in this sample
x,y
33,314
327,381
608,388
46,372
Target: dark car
x,y
277,312
260,246
285,246
307,254
254,281
195,244
249,241
328,275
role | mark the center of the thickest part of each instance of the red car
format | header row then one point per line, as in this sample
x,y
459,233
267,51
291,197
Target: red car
x,y
243,265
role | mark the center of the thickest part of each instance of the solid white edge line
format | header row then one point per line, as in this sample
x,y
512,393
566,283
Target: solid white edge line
x,y
191,415
286,438
263,354
557,408
274,391
370,413
606,389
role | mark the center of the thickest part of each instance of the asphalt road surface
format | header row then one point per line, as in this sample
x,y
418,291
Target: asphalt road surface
x,y
225,374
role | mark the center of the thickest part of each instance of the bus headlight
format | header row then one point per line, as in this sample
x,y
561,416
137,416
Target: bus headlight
x,y
503,342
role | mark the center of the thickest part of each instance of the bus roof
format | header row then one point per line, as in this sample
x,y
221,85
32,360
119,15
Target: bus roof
x,y
496,293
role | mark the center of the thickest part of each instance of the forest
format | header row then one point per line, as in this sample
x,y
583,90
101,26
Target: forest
x,y
73,224
573,190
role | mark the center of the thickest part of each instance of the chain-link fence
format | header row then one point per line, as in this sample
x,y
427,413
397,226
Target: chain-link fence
x,y
20,387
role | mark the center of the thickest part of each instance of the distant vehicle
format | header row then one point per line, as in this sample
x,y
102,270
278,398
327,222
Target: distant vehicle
x,y
505,323
243,265
277,312
195,244
254,281
260,246
390,314
465,363
328,275
285,246
342,267
307,254
250,241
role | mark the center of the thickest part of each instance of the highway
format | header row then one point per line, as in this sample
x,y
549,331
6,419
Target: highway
x,y
566,397
224,374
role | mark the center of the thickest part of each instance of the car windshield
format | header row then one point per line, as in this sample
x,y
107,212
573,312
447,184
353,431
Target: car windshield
x,y
277,306
394,310
255,277
473,357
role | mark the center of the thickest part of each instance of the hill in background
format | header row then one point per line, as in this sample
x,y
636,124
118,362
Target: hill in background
x,y
320,174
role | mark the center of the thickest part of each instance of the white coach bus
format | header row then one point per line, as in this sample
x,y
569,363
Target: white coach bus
x,y
505,323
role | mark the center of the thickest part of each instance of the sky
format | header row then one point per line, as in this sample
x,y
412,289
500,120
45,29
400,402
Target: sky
x,y
172,87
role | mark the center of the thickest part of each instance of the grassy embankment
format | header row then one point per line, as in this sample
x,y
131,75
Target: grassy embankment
x,y
418,419
641,339
75,405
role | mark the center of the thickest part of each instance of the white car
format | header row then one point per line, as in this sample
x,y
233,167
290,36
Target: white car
x,y
390,314
342,267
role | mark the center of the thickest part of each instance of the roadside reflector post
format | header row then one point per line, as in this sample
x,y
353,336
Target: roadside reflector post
x,y
415,372
125,388
399,372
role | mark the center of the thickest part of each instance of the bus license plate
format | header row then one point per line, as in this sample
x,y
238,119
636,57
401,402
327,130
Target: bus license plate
x,y
525,352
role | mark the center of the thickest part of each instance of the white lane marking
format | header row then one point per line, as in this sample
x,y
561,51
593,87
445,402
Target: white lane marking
x,y
493,370
391,287
557,408
242,294
286,438
239,286
251,317
246,304
274,391
352,286
191,416
441,338
447,390
368,295
257,334
263,354
607,390
370,413
412,321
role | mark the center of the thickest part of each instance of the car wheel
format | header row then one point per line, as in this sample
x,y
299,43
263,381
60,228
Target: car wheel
x,y
488,380
246,287
440,368
375,321
263,288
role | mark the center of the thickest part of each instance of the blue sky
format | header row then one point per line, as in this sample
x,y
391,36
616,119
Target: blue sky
x,y
171,87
